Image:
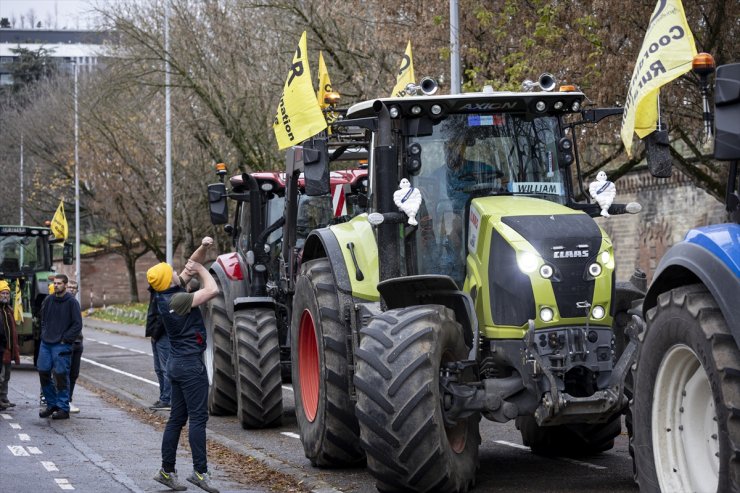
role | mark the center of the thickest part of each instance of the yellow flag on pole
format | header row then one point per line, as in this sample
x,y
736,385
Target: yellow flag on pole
x,y
405,74
59,222
298,115
324,82
666,53
18,309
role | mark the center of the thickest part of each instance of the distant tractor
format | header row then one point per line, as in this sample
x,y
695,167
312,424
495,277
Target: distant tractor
x,y
686,406
248,323
26,258
500,303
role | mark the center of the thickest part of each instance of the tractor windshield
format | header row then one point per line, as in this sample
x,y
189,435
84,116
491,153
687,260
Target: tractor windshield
x,y
471,156
23,254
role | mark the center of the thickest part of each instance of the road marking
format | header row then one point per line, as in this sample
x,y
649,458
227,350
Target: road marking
x,y
23,437
86,360
6,416
564,459
17,450
287,387
34,450
49,466
15,426
137,351
514,445
63,483
290,434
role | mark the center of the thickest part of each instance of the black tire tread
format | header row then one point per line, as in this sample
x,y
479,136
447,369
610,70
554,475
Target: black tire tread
x,y
259,385
221,394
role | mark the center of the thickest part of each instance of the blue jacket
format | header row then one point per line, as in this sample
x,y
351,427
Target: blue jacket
x,y
61,320
187,333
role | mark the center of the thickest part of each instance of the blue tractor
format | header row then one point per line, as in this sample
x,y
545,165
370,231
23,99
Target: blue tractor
x,y
686,407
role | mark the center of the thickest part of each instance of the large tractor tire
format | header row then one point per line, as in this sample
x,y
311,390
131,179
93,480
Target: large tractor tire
x,y
686,409
399,403
324,412
218,354
257,356
572,440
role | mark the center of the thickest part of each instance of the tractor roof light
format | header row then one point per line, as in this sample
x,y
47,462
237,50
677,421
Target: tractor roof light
x,y
605,257
416,110
576,106
436,110
220,169
703,64
394,111
540,106
567,88
332,98
558,105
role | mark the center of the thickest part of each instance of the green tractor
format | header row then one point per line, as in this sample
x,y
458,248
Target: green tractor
x,y
494,295
26,258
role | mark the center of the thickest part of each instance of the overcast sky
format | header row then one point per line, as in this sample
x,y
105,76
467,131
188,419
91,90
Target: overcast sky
x,y
72,14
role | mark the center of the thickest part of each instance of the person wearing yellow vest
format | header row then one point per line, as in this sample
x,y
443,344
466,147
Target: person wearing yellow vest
x,y
8,343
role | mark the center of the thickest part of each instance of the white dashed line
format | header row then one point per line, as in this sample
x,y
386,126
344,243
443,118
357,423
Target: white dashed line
x,y
119,347
101,342
290,434
288,388
86,360
137,351
15,426
63,483
23,437
6,416
140,352
564,459
49,466
34,450
17,450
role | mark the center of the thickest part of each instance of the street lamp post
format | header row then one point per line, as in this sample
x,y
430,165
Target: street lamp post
x,y
21,223
168,134
454,48
78,273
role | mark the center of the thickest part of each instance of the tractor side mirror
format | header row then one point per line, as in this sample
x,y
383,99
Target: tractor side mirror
x,y
659,160
217,204
68,254
316,171
727,112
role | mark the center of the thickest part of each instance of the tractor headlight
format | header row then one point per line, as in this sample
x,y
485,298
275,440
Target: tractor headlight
x,y
546,271
598,312
605,257
546,314
527,262
394,112
594,269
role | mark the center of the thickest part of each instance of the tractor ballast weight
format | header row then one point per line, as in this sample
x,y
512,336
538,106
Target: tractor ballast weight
x,y
500,302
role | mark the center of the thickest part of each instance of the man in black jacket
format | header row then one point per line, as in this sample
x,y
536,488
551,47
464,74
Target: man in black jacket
x,y
160,351
61,323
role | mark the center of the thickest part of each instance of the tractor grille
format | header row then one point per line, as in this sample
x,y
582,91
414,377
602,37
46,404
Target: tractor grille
x,y
569,242
512,299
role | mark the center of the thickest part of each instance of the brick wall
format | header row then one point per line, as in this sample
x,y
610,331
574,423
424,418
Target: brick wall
x,y
670,207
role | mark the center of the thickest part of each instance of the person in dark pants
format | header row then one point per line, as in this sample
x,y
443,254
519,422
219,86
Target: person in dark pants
x,y
160,351
61,323
77,348
187,372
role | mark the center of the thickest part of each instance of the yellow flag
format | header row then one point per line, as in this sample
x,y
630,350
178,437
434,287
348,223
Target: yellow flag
x,y
405,74
298,115
666,54
324,82
59,222
18,311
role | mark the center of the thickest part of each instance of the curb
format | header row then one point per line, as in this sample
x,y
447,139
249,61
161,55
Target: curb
x,y
314,484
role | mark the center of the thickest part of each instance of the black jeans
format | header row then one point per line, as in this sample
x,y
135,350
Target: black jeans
x,y
74,369
189,383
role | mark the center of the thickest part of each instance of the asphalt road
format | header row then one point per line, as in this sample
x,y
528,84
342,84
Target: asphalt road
x,y
121,362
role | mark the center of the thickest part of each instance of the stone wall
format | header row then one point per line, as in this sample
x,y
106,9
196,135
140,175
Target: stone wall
x,y
670,208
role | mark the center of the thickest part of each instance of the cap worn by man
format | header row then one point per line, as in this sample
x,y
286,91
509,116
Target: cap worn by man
x,y
4,286
160,276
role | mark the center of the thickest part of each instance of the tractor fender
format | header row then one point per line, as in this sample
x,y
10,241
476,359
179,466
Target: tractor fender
x,y
322,243
430,289
249,302
689,263
229,270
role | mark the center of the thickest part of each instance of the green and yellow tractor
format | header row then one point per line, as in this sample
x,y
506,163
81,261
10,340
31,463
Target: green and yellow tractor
x,y
26,260
476,286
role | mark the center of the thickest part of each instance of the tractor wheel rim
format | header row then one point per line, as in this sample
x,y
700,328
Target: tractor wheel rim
x,y
208,353
684,424
308,365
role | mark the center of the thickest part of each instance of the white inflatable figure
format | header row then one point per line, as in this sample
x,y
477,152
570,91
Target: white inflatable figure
x,y
603,192
408,199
